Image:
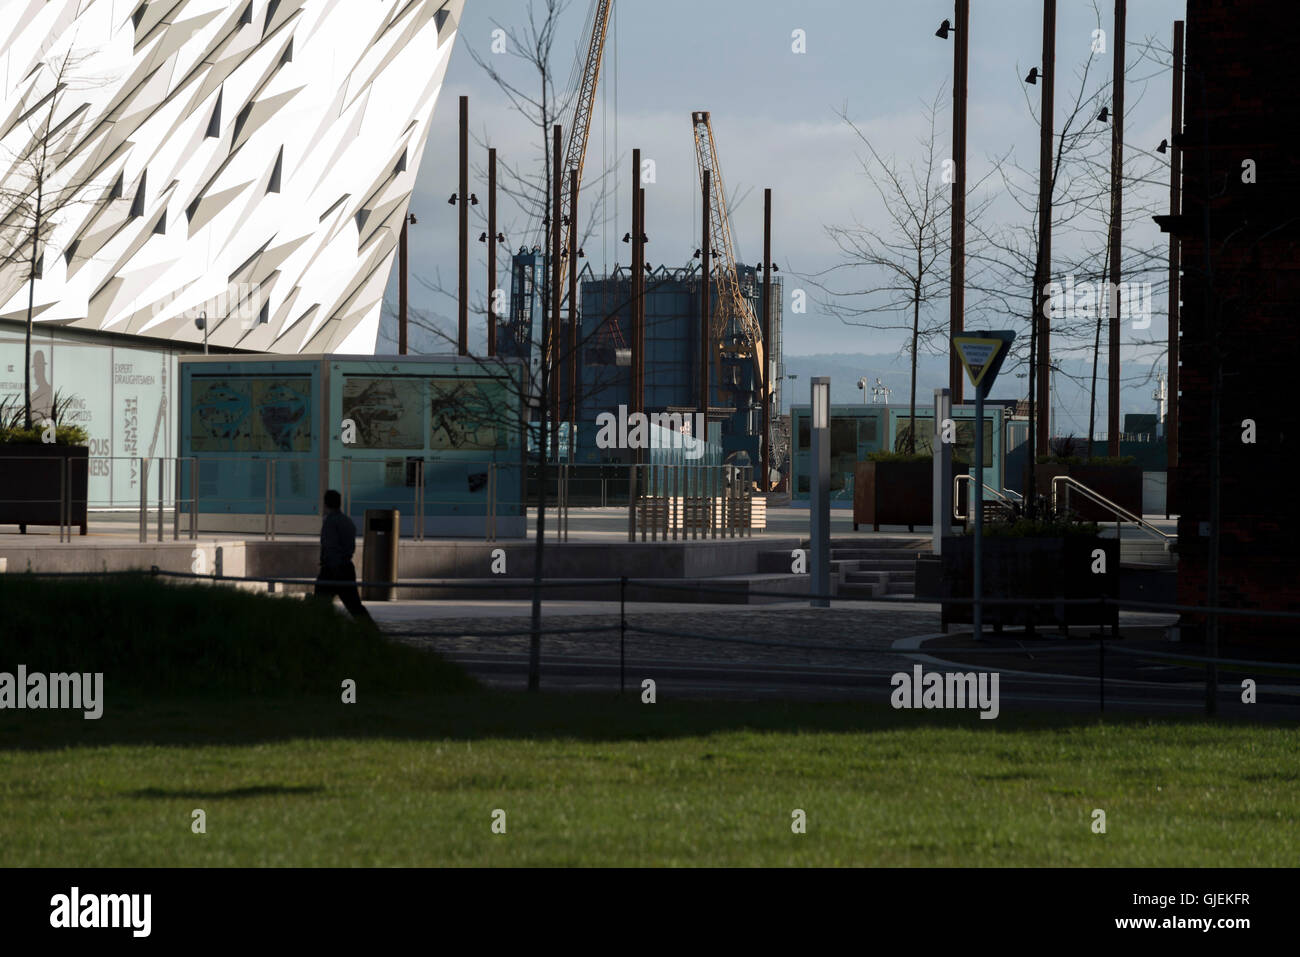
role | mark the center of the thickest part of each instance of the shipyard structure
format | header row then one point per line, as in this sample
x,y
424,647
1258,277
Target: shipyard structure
x,y
598,376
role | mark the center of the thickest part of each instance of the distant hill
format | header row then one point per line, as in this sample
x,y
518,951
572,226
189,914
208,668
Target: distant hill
x,y
894,372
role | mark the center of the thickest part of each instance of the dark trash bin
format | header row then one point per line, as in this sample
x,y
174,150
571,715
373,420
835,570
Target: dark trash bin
x,y
379,552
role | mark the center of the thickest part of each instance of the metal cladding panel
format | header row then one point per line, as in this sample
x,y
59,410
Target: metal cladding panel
x,y
250,161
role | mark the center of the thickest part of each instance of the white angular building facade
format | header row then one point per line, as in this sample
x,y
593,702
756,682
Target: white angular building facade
x,y
252,161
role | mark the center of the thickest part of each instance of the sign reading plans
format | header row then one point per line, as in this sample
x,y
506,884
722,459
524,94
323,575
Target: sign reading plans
x,y
982,354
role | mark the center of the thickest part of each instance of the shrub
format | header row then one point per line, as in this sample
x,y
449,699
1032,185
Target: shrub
x,y
1104,460
13,424
884,455
1040,528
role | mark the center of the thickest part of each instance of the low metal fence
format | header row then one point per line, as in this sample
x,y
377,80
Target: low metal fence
x,y
1099,642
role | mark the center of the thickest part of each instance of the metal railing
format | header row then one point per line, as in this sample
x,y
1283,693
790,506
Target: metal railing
x,y
998,493
691,502
257,494
74,503
590,586
1122,514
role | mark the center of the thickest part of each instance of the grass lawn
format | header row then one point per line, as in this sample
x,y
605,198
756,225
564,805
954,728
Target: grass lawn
x,y
588,780
230,703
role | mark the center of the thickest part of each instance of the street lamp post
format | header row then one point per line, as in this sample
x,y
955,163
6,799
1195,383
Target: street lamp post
x,y
820,491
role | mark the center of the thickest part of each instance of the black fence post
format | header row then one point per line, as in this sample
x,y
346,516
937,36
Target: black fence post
x,y
1101,667
622,633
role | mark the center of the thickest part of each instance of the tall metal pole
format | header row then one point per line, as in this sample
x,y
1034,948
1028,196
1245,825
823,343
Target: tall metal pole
x,y
552,347
957,296
402,301
492,252
977,616
634,289
767,371
941,523
641,304
820,491
1175,290
572,417
1040,398
1116,224
706,320
462,340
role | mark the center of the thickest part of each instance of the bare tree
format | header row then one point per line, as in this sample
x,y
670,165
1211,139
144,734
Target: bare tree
x,y
1007,256
33,194
905,262
530,184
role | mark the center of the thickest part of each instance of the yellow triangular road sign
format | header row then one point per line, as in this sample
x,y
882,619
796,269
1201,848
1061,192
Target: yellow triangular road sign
x,y
978,355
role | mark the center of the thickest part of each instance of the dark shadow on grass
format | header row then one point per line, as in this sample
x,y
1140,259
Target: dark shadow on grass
x,y
502,715
253,792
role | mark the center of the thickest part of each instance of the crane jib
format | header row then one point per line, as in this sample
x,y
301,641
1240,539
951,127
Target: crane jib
x,y
733,304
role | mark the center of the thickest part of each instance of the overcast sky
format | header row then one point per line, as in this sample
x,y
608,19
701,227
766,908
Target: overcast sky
x,y
774,114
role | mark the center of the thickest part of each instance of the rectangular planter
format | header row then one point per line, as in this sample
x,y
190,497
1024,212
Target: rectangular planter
x,y
31,478
1042,570
1122,484
895,493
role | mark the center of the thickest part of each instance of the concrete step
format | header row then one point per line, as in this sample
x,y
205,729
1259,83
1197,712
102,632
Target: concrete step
x,y
900,588
861,591
873,554
905,565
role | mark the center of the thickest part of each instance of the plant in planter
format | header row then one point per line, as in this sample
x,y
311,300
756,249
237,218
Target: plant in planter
x,y
1043,560
44,475
1116,478
894,488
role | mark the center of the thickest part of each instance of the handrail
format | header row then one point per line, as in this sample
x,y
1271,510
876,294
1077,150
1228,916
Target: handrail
x,y
1123,513
956,494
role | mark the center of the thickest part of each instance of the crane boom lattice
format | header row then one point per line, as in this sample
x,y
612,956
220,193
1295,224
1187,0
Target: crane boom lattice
x,y
733,305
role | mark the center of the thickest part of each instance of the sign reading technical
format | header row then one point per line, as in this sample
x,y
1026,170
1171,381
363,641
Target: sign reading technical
x,y
79,691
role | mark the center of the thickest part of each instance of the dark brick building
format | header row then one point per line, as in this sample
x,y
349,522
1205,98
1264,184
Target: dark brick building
x,y
1240,258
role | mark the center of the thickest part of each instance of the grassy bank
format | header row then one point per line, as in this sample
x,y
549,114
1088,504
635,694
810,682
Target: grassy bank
x,y
229,702
157,639
588,780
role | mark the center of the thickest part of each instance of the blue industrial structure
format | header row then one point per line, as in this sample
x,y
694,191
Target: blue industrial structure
x,y
672,343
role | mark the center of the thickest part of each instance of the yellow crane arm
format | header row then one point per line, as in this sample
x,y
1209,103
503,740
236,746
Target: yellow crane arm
x,y
732,303
580,129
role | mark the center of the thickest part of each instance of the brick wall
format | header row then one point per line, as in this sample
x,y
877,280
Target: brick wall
x,y
1243,310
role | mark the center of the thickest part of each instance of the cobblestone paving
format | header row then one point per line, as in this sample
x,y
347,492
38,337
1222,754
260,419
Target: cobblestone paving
x,y
865,635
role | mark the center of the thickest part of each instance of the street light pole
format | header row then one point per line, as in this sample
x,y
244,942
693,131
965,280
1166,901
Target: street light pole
x,y
820,491
1116,224
957,246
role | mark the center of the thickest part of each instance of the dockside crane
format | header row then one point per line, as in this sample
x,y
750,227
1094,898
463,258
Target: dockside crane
x,y
733,305
575,153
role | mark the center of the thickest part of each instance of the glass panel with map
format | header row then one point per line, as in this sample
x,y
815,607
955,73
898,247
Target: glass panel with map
x,y
470,415
388,411
250,414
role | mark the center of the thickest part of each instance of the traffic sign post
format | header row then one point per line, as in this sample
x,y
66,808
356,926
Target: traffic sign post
x,y
982,353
